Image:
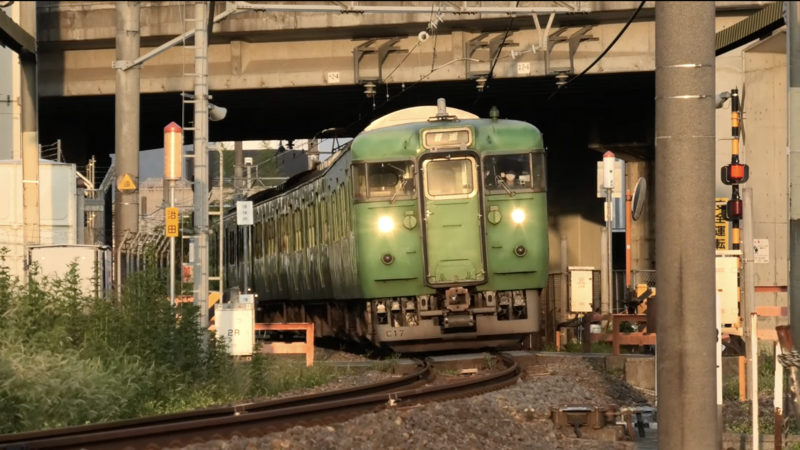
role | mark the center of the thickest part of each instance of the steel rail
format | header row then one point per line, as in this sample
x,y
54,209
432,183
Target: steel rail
x,y
9,441
254,420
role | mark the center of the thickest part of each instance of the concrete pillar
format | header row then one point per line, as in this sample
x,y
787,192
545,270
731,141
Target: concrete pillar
x,y
685,157
201,163
126,115
29,123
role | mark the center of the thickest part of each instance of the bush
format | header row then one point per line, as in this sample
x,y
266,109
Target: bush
x,y
67,359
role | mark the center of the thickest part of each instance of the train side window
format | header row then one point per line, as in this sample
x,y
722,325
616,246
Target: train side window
x,y
539,172
259,240
343,210
298,231
360,181
270,237
312,226
335,215
324,214
284,233
240,244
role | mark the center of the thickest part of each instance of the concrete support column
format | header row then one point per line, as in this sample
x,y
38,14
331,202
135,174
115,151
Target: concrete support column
x,y
685,142
201,162
793,135
126,117
29,123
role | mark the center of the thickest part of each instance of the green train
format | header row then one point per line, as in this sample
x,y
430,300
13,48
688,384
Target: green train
x,y
426,232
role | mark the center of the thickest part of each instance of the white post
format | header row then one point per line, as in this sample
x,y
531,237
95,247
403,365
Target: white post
x,y
777,399
754,374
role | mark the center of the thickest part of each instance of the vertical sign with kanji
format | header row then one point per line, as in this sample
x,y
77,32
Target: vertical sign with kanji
x,y
172,222
721,225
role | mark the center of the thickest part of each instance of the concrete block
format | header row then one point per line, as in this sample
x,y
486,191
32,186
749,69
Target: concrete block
x,y
641,373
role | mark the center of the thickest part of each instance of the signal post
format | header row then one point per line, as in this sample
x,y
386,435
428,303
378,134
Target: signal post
x,y
173,159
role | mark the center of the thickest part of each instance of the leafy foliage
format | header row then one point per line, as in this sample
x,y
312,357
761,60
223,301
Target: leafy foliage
x,y
70,359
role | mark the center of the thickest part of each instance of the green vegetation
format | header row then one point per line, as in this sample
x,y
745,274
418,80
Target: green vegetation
x,y
67,359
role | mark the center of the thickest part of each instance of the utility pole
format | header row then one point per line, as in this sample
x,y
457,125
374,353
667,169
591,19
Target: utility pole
x,y
29,122
685,154
238,171
126,117
200,128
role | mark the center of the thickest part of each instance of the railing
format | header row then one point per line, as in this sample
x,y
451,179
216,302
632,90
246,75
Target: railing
x,y
557,291
132,254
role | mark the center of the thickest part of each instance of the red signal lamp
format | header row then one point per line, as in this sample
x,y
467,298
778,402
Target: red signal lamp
x,y
734,210
733,174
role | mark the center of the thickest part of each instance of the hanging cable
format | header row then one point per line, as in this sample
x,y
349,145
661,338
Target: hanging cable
x,y
635,13
494,63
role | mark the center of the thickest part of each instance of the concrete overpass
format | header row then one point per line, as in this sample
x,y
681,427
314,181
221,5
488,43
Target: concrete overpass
x,y
274,73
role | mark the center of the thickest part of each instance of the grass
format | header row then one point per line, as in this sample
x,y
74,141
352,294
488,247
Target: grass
x,y
67,359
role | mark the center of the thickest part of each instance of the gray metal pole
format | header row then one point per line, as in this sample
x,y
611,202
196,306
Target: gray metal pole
x,y
238,164
126,205
685,142
172,249
246,258
793,37
29,122
201,162
748,304
603,269
80,235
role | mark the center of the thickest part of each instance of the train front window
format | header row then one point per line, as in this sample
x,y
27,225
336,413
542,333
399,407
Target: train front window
x,y
384,180
508,173
450,178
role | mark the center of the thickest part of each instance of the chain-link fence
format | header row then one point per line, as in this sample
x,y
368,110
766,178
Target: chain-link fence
x,y
647,277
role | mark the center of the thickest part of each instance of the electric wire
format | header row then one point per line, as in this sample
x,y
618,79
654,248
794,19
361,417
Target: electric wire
x,y
499,50
619,35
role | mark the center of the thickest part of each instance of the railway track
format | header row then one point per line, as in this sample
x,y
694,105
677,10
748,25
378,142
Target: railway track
x,y
260,418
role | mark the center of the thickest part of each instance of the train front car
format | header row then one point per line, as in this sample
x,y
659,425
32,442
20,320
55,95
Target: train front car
x,y
451,229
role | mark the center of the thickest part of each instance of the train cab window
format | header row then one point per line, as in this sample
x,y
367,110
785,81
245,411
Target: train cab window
x,y
450,178
383,180
504,173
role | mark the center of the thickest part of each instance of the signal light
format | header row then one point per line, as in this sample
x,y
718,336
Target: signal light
x,y
733,174
734,210
173,151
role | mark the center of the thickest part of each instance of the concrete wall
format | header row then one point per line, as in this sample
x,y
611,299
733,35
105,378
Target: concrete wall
x,y
9,96
765,122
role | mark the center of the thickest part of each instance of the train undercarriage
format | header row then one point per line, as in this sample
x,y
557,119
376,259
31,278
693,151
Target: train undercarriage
x,y
453,319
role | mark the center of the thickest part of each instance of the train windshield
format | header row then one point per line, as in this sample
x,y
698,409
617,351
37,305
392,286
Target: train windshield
x,y
522,172
384,180
451,178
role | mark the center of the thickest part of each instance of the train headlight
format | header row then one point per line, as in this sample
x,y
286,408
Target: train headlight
x,y
518,216
385,224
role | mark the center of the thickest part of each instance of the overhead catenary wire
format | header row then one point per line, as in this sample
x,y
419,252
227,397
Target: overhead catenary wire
x,y
497,57
619,35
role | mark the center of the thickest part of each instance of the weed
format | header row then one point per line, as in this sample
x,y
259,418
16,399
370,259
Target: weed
x,y
69,359
489,361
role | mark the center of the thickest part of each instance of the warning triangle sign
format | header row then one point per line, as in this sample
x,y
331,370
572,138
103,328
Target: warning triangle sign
x,y
126,183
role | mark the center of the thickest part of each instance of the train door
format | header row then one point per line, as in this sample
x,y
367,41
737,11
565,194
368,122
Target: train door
x,y
452,225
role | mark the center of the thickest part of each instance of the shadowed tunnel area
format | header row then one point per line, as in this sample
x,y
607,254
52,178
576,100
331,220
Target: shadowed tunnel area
x,y
615,111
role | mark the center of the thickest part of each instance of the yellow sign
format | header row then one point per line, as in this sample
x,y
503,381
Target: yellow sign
x,y
721,224
126,183
172,222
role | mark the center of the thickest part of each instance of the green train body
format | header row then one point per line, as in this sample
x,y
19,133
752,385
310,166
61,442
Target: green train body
x,y
428,231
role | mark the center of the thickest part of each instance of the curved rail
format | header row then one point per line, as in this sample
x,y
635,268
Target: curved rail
x,y
257,419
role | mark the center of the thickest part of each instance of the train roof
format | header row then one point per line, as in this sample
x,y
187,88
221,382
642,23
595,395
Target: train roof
x,y
400,135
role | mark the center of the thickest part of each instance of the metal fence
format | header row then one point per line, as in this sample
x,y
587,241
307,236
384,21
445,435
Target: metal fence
x,y
133,254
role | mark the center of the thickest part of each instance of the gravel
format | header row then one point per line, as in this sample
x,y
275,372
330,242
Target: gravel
x,y
343,382
495,420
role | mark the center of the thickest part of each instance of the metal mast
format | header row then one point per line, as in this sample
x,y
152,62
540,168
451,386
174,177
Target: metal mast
x,y
685,153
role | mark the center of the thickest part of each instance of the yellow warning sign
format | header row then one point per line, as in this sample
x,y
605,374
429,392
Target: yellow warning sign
x,y
721,225
172,222
126,183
